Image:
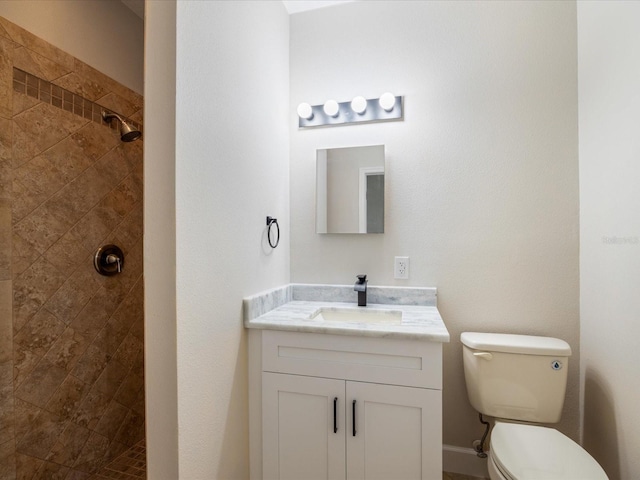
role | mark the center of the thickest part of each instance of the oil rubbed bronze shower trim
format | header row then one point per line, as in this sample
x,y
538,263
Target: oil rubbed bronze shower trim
x,y
47,92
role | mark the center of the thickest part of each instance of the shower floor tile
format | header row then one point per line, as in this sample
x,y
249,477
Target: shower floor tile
x,y
131,465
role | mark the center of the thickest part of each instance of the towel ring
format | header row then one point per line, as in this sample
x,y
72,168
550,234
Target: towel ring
x,y
270,222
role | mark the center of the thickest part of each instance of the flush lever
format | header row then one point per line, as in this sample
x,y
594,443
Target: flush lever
x,y
483,355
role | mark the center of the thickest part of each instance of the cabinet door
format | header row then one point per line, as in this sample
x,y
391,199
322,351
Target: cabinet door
x,y
299,441
398,432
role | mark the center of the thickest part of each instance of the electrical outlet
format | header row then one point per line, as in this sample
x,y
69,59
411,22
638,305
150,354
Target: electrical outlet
x,y
401,268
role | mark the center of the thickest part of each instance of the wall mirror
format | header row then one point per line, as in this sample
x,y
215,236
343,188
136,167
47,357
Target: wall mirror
x,y
350,190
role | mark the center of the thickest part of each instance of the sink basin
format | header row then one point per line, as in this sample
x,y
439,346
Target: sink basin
x,y
357,315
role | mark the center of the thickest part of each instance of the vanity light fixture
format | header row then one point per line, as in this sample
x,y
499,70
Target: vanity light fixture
x,y
331,108
384,109
305,111
359,104
387,101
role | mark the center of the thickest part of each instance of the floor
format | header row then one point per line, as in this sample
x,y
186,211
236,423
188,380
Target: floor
x,y
459,476
131,465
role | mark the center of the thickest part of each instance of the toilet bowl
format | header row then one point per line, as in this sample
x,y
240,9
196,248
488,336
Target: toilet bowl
x,y
520,380
532,452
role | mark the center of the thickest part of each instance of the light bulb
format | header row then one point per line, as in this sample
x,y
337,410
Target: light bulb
x,y
305,111
359,105
331,108
387,101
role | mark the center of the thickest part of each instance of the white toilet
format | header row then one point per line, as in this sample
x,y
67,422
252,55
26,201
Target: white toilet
x,y
520,380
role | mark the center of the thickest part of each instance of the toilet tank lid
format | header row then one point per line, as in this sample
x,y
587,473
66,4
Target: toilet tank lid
x,y
510,343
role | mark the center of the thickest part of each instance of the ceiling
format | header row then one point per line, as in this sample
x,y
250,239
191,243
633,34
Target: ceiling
x,y
292,6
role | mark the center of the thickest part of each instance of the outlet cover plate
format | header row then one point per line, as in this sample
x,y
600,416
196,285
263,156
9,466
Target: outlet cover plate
x,y
401,268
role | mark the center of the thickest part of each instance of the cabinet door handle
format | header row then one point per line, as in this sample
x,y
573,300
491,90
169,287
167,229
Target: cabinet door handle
x,y
353,417
335,415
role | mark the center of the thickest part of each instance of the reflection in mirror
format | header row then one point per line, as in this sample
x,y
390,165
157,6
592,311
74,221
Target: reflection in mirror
x,y
350,190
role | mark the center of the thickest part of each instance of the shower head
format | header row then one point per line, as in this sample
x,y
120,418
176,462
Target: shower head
x,y
127,132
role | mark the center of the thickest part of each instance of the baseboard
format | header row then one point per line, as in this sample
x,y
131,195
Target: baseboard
x,y
463,460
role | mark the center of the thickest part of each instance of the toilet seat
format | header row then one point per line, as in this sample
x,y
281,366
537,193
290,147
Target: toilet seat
x,y
532,452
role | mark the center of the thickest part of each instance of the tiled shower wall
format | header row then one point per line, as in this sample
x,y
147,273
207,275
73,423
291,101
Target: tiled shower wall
x,y
71,340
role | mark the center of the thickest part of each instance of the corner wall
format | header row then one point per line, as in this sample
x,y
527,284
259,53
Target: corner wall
x,y
232,170
482,174
609,102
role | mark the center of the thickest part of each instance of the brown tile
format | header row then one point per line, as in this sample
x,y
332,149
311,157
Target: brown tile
x,y
6,77
42,227
93,228
22,255
67,253
69,445
68,158
8,460
6,325
95,140
123,198
92,456
5,240
128,392
38,65
110,337
129,350
41,436
66,400
80,86
24,361
94,76
27,467
36,44
91,364
6,139
112,419
24,201
42,382
34,182
111,378
113,166
95,314
32,289
132,429
7,419
6,369
78,197
22,102
78,475
24,147
115,103
74,294
68,349
25,415
51,471
48,125
91,410
132,310
40,333
138,364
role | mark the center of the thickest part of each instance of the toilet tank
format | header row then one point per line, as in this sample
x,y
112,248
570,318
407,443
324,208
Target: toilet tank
x,y
517,377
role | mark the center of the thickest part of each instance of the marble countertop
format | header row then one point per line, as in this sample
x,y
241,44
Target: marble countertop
x,y
293,308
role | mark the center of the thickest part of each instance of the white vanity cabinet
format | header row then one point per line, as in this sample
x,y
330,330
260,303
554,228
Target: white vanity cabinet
x,y
307,384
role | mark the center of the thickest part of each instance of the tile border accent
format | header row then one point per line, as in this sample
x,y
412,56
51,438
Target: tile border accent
x,y
50,93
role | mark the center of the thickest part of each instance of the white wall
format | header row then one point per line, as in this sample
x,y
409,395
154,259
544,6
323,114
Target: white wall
x,y
482,174
232,170
609,103
102,33
161,377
